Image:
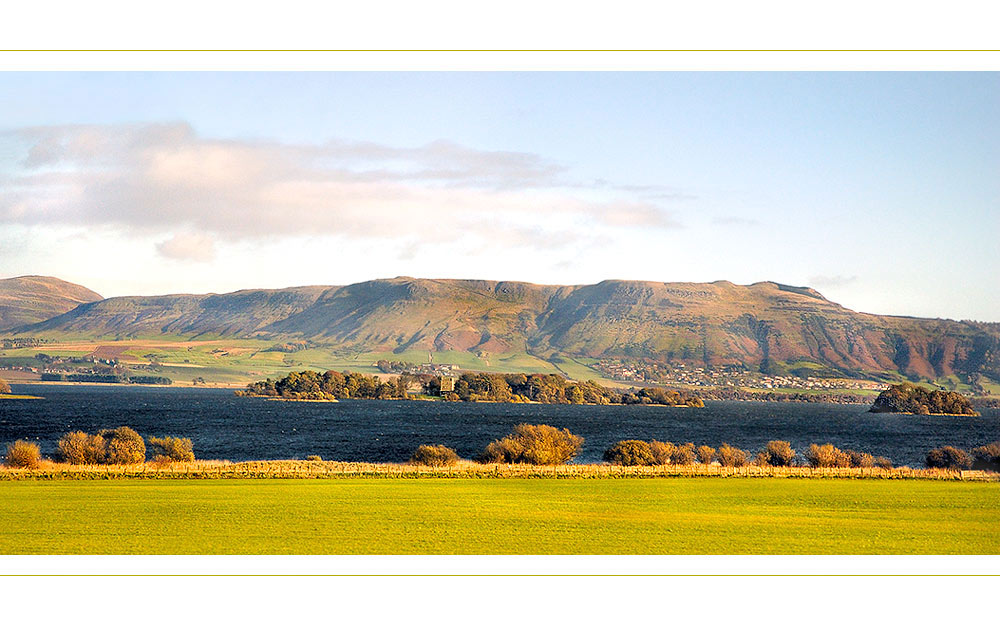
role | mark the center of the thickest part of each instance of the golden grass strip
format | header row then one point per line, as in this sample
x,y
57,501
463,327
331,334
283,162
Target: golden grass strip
x,y
464,469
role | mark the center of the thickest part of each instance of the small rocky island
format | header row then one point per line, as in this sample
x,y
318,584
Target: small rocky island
x,y
916,400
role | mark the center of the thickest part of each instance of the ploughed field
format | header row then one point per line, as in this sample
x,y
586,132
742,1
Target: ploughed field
x,y
499,516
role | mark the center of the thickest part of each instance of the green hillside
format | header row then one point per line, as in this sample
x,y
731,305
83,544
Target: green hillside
x,y
507,326
32,299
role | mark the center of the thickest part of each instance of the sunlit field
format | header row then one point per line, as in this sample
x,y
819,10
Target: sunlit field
x,y
706,515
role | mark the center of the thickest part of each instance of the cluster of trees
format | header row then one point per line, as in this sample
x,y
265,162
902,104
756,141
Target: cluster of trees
x,y
331,385
531,444
434,456
534,444
393,367
552,389
910,398
118,446
288,347
121,379
949,457
775,454
4,387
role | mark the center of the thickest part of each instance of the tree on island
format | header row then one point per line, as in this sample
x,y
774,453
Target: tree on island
x,y
469,387
910,398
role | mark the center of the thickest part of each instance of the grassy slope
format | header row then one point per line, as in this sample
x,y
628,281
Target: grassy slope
x,y
488,516
31,299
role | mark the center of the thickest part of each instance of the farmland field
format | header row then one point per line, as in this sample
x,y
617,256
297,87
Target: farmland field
x,y
499,516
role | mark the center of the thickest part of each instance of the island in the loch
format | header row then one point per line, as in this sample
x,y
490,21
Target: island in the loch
x,y
468,387
7,394
916,400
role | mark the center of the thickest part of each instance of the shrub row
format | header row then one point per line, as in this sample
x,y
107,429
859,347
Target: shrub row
x,y
774,454
983,457
119,446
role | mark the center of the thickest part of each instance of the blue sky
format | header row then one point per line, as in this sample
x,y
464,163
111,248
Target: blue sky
x,y
882,190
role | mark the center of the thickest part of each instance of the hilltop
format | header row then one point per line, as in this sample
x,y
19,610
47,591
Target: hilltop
x,y
766,326
30,299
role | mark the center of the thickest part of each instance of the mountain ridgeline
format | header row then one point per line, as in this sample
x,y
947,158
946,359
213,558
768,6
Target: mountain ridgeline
x,y
764,325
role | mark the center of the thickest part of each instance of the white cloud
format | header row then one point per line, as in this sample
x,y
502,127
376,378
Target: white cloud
x,y
166,179
188,247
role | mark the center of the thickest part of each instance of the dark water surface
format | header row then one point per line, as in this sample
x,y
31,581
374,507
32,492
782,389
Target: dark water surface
x,y
223,426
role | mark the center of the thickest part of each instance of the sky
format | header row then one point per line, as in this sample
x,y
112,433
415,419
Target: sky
x,y
880,190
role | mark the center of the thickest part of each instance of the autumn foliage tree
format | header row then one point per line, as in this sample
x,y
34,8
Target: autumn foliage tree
x,y
630,452
79,448
729,456
705,454
535,444
949,457
123,446
434,456
23,454
827,455
777,454
171,449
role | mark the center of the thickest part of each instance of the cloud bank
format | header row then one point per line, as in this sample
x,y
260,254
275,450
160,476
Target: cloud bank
x,y
165,179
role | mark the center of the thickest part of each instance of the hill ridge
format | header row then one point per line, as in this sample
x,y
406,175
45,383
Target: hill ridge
x,y
720,323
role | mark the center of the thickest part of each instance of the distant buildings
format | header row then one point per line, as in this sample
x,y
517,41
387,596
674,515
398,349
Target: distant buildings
x,y
448,384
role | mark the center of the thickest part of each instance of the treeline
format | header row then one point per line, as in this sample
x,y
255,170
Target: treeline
x,y
742,395
120,379
393,367
331,385
118,446
775,454
469,387
552,389
910,398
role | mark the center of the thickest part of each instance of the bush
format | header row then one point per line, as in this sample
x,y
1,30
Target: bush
x,y
860,459
777,454
949,457
124,446
4,387
435,456
987,457
827,455
23,454
79,448
172,448
630,452
883,462
728,456
683,455
535,444
663,452
314,457
705,454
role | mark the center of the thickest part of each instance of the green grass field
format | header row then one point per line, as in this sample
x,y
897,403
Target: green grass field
x,y
500,516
